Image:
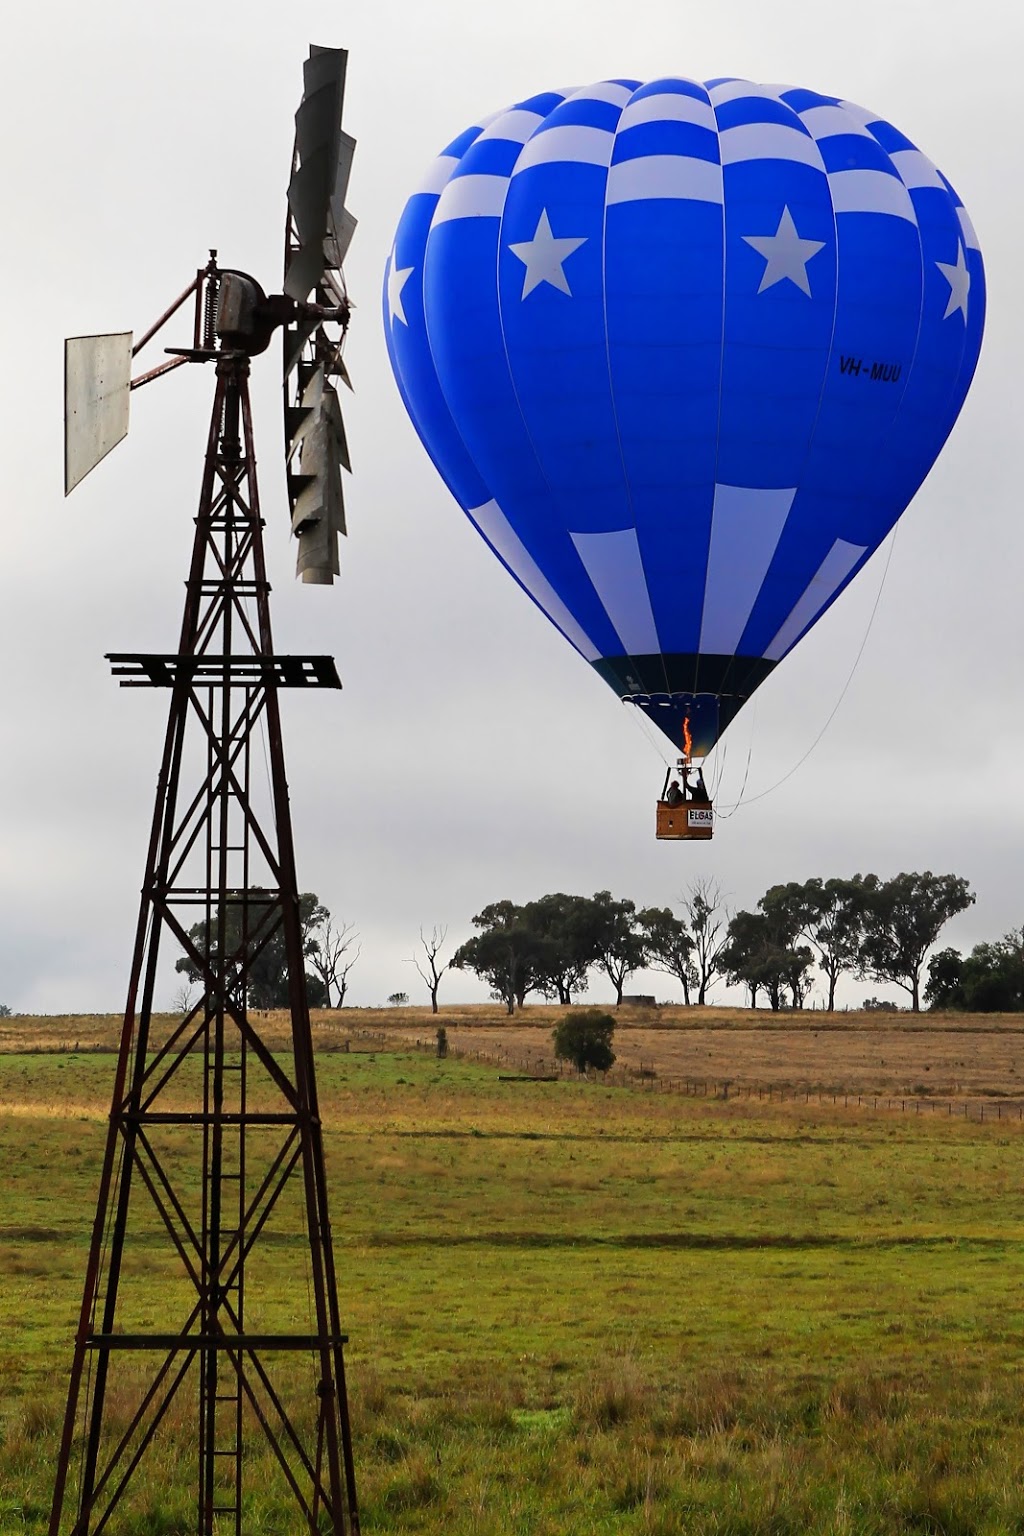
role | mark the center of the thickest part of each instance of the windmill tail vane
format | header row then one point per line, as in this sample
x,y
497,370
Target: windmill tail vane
x,y
233,312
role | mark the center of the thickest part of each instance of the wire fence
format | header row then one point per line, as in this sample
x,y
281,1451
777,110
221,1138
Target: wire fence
x,y
644,1077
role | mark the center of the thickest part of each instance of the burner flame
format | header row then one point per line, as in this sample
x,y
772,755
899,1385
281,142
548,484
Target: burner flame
x,y
687,738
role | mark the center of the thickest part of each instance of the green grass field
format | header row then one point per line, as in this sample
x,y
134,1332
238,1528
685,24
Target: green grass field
x,y
576,1309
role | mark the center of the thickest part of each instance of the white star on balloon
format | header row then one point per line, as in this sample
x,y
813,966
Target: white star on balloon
x,y
786,254
544,257
959,279
397,279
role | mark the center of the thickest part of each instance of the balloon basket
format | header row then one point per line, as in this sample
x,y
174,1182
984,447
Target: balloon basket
x,y
685,821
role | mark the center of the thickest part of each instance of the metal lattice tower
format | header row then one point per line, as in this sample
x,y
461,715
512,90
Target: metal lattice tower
x,y
213,1198
215,1143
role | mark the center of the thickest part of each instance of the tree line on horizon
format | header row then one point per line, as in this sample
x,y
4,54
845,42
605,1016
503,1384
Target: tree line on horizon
x,y
799,932
330,950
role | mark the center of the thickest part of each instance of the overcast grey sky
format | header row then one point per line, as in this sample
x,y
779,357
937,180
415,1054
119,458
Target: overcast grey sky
x,y
472,755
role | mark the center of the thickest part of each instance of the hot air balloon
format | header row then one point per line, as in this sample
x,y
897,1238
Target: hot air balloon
x,y
684,352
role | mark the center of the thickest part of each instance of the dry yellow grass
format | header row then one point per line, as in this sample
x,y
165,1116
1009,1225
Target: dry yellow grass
x,y
975,1056
948,1056
945,1059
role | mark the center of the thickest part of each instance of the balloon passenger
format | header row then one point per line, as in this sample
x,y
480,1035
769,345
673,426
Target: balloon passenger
x,y
695,787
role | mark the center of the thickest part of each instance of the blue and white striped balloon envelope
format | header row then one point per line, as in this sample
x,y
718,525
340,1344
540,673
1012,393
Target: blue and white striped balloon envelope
x,y
684,352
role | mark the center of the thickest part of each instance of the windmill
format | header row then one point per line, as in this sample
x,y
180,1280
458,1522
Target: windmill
x,y
212,1230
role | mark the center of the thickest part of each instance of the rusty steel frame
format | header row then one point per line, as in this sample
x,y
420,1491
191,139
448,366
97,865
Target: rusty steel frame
x,y
224,683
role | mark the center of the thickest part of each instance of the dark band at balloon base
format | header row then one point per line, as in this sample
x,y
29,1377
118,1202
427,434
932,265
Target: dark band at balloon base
x,y
706,692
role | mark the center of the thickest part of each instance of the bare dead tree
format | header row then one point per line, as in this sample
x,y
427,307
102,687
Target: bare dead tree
x,y
702,904
181,1002
341,974
331,957
432,973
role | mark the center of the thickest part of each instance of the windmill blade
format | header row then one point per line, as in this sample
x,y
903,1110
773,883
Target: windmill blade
x,y
319,231
319,154
341,226
296,339
97,382
317,435
342,174
339,238
323,82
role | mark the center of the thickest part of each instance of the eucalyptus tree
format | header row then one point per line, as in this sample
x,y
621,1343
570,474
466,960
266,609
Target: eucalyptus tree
x,y
620,947
670,946
507,953
903,918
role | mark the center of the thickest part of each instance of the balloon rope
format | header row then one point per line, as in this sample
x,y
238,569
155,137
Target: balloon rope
x,y
647,730
729,810
721,758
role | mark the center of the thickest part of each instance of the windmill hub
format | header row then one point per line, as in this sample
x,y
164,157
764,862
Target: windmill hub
x,y
246,318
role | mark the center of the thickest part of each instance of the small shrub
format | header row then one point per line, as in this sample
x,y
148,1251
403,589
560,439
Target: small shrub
x,y
398,999
584,1037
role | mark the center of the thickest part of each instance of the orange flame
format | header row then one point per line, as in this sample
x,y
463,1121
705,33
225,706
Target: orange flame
x,y
687,738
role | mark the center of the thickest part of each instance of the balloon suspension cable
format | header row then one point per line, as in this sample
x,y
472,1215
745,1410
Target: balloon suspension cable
x,y
717,761
653,737
730,810
721,758
761,795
